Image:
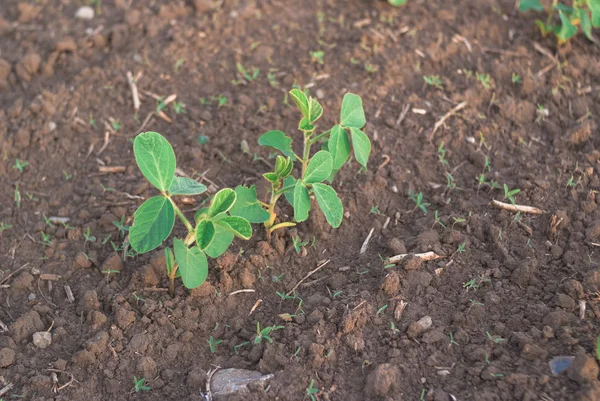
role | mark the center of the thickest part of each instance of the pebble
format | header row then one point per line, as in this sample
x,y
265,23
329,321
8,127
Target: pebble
x,y
42,339
583,369
85,12
7,357
419,327
227,382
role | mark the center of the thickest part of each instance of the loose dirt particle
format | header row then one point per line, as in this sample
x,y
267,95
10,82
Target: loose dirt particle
x,y
124,317
42,339
391,283
24,327
415,329
147,367
205,290
7,357
112,263
89,301
66,45
396,246
383,380
28,66
583,369
23,281
591,281
580,133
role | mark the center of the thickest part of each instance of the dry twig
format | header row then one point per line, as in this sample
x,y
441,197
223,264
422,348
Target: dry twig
x,y
134,91
424,256
446,116
310,273
517,208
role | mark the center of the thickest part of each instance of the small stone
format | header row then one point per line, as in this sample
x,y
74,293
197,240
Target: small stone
x,y
415,329
96,319
82,260
396,246
112,264
24,327
7,357
315,317
42,339
85,13
584,369
89,301
247,278
66,45
28,66
227,382
383,380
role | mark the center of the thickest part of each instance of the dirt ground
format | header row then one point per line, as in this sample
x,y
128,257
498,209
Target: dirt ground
x,y
482,323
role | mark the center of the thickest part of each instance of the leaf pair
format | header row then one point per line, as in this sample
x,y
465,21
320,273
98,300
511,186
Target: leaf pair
x,y
327,199
352,119
310,108
283,168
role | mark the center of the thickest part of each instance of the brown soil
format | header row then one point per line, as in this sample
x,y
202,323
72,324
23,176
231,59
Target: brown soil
x,y
63,79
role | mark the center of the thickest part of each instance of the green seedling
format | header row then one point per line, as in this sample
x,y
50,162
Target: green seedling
x,y
494,339
418,199
4,227
396,3
541,112
160,106
442,155
394,329
203,139
375,210
452,339
337,293
317,56
437,221
265,333
314,170
88,236
581,15
484,79
510,194
140,385
121,226
236,348
46,239
246,74
214,226
178,64
312,391
371,68
116,125
433,80
380,310
212,343
516,78
20,165
298,244
178,108
67,175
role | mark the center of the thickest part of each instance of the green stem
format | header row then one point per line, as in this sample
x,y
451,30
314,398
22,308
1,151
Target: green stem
x,y
316,138
179,213
306,153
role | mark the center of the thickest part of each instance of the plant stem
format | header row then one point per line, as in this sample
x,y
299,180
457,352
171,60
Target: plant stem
x,y
316,138
183,219
306,154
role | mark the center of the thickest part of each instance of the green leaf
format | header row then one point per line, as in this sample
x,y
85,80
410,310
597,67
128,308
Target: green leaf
x,y
526,5
278,140
396,3
271,177
152,224
246,205
339,146
586,24
223,201
361,145
352,113
186,186
594,6
289,195
155,158
201,214
567,30
288,168
329,203
315,111
239,226
170,261
205,232
319,167
280,164
305,125
192,262
301,101
220,242
301,202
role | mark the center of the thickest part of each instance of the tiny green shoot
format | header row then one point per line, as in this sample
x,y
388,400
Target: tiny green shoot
x,y
433,80
20,165
140,385
418,200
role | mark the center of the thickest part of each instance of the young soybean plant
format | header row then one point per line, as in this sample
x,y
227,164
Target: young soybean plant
x,y
314,170
215,226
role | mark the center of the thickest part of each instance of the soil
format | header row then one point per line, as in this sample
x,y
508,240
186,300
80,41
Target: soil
x,y
482,323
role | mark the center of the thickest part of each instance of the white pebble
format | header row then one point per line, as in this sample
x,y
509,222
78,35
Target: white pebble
x,y
42,339
85,12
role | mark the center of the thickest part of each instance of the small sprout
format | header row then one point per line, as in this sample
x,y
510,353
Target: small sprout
x,y
246,74
380,310
140,385
265,333
88,236
442,155
371,68
295,356
123,229
17,196
516,78
298,244
509,194
457,220
272,80
116,125
4,226
542,112
438,220
222,100
484,79
178,108
92,121
236,348
317,56
433,80
203,139
452,339
67,175
337,293
46,239
375,210
178,64
394,329
475,303
494,339
396,3
418,200
212,343
20,165
461,247
312,391
598,348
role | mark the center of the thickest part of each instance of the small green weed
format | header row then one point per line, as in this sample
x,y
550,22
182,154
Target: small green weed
x,y
484,79
312,390
20,165
433,80
317,56
212,343
418,199
298,244
140,385
510,194
265,333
